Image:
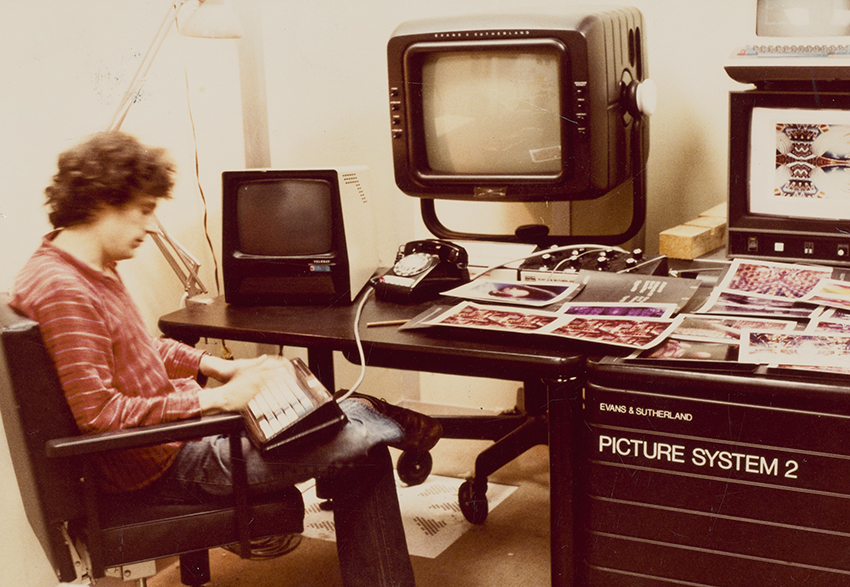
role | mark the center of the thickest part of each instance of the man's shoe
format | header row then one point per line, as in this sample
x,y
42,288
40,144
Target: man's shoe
x,y
421,432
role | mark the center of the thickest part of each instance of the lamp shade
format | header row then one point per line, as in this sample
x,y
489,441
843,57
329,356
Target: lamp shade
x,y
208,19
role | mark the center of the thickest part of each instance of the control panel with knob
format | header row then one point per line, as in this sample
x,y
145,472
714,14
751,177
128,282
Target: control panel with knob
x,y
611,259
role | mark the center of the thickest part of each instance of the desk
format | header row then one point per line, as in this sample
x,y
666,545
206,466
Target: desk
x,y
557,365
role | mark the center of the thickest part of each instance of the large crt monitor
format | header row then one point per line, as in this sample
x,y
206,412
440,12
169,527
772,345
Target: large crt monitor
x,y
296,236
516,107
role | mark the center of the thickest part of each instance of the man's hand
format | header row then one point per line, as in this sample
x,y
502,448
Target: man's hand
x,y
248,379
224,370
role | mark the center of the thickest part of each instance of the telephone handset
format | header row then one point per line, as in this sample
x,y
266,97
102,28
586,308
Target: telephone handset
x,y
422,270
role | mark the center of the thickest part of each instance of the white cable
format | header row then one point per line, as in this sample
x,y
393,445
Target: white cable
x,y
359,342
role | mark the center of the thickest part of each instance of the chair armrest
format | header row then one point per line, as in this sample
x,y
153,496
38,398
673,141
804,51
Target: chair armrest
x,y
86,444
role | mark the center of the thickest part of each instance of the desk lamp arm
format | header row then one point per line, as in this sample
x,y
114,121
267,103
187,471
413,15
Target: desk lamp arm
x,y
188,273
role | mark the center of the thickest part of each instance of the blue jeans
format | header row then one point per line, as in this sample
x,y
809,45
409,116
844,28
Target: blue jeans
x,y
370,537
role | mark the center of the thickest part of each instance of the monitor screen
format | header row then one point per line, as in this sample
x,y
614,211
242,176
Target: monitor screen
x,y
803,18
492,112
800,162
285,217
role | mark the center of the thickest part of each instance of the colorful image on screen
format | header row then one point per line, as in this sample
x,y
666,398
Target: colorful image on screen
x,y
800,163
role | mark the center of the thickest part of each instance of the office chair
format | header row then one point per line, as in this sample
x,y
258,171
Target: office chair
x,y
84,533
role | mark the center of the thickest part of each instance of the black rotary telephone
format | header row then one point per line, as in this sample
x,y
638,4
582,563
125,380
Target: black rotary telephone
x,y
422,270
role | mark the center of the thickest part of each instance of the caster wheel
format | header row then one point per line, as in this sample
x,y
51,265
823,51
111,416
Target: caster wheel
x,y
473,502
413,467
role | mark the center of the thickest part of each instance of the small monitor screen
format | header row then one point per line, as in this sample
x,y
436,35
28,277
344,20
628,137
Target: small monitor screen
x,y
800,162
493,112
286,217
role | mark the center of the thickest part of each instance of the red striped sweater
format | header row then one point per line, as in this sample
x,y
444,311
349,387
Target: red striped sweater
x,y
114,373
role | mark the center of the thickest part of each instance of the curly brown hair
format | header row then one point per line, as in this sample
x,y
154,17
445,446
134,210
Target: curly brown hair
x,y
110,168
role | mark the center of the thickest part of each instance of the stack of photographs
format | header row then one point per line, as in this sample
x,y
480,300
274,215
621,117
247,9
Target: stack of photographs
x,y
631,311
783,315
614,326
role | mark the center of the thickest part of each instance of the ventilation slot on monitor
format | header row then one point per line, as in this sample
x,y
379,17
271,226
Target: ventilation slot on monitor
x,y
352,179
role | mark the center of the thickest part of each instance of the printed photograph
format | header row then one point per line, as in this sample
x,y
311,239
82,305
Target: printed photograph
x,y
469,315
828,325
831,293
778,281
723,328
795,348
687,350
741,305
629,332
515,292
835,314
613,309
817,369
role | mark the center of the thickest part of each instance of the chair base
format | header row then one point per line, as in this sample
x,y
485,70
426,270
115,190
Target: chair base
x,y
513,434
195,568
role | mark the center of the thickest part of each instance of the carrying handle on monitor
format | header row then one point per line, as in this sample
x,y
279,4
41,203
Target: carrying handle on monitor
x,y
539,234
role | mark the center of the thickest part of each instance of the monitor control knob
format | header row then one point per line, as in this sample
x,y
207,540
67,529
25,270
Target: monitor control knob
x,y
646,97
641,97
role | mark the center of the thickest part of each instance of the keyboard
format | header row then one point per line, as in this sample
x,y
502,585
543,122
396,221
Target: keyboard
x,y
790,63
795,51
290,408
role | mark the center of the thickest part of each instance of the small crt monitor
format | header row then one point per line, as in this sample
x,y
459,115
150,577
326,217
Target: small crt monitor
x,y
789,176
794,44
296,236
515,107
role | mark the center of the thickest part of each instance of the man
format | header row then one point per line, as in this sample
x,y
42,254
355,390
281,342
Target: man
x,y
115,375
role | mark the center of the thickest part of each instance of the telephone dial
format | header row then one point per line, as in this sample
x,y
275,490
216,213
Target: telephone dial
x,y
422,270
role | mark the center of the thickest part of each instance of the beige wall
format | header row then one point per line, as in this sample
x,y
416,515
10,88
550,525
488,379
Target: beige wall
x,y
65,64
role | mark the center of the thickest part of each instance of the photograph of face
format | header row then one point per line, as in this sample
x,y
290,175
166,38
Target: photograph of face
x,y
515,292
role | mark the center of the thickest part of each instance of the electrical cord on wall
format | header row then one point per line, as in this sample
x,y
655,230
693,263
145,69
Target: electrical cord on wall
x,y
226,353
200,186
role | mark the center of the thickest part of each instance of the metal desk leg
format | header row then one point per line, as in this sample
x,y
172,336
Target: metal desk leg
x,y
321,363
564,398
